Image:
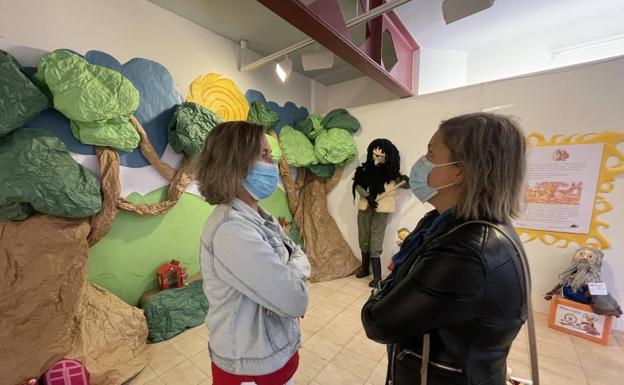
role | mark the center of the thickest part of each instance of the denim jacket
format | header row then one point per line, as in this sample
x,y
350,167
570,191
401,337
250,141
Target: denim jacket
x,y
255,288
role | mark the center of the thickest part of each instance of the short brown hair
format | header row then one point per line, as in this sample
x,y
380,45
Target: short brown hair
x,y
492,151
229,152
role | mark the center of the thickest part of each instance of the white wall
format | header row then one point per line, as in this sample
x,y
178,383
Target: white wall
x,y
136,28
584,99
318,98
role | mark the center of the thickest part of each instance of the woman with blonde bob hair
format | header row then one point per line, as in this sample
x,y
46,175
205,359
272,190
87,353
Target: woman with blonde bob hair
x,y
457,298
254,275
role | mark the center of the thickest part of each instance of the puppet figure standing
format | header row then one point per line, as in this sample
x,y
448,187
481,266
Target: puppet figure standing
x,y
376,181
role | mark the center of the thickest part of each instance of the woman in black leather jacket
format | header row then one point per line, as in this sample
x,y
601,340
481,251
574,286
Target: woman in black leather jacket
x,y
456,299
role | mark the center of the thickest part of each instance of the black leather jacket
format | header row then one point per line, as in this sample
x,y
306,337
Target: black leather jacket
x,y
464,288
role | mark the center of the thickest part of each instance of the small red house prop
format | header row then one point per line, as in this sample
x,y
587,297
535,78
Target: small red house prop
x,y
170,275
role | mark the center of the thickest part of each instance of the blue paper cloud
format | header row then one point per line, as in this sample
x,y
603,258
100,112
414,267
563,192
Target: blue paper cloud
x,y
159,99
289,113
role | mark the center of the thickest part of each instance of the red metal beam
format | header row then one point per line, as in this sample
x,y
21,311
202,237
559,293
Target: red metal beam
x,y
374,29
312,22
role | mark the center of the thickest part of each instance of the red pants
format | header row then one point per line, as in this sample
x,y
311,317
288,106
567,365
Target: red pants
x,y
280,377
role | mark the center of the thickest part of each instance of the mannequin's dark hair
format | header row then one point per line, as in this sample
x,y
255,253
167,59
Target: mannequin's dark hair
x,y
391,168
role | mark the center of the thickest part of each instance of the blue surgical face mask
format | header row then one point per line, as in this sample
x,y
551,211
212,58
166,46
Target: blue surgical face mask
x,y
262,180
418,179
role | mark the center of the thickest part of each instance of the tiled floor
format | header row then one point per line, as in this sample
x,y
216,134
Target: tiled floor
x,y
336,351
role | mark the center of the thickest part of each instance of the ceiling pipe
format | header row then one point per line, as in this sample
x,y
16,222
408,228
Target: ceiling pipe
x,y
304,43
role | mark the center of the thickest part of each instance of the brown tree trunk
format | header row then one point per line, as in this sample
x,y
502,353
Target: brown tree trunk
x,y
102,222
329,254
148,151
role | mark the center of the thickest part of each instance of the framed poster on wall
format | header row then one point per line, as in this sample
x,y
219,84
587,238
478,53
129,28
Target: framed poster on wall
x,y
568,182
561,187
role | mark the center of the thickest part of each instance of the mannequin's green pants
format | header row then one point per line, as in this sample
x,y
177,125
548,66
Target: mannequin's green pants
x,y
371,231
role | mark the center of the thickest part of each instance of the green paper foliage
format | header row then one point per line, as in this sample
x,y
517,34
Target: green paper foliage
x,y
311,126
341,118
189,126
39,173
98,101
260,114
170,312
336,146
276,152
323,171
20,98
297,149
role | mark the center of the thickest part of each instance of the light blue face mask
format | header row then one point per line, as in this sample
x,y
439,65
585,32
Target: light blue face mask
x,y
262,180
418,179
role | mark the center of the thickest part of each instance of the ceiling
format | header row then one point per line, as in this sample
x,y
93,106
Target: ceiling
x,y
567,22
264,31
560,22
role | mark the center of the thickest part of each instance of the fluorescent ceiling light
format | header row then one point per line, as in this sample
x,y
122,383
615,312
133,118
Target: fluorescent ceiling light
x,y
589,44
283,69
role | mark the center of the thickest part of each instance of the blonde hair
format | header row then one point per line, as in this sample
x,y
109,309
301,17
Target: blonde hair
x,y
229,152
492,152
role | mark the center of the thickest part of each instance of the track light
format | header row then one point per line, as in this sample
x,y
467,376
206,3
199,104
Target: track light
x,y
283,68
243,49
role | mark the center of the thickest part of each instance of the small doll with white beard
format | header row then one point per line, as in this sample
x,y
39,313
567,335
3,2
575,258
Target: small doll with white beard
x,y
573,282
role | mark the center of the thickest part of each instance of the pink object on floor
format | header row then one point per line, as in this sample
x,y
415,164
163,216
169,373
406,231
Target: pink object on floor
x,y
67,372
